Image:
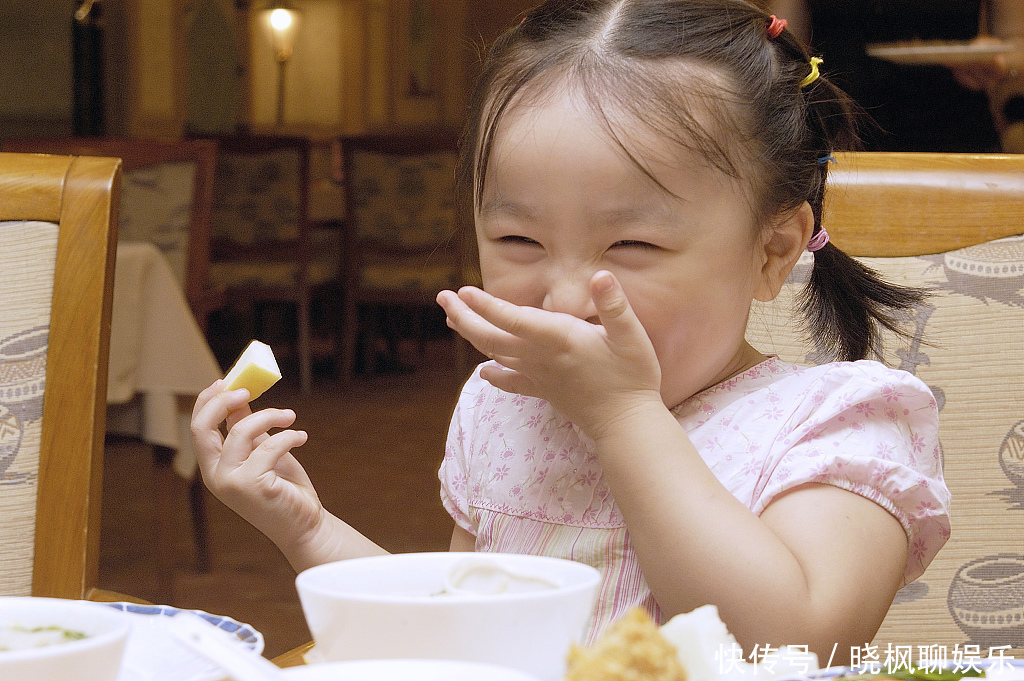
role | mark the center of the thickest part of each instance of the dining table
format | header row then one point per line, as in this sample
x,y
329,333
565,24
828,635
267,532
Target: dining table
x,y
159,358
296,657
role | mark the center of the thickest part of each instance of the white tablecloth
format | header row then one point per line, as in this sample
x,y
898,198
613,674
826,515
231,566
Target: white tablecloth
x,y
159,359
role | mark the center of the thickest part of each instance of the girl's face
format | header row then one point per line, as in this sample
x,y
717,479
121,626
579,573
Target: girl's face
x,y
563,201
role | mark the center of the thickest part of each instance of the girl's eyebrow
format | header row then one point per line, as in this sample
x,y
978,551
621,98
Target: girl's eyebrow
x,y
651,214
499,205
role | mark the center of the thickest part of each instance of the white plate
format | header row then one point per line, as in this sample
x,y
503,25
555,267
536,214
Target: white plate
x,y
1008,669
943,52
405,670
153,655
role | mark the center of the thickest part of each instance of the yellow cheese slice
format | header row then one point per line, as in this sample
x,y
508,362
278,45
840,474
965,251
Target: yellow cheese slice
x,y
255,369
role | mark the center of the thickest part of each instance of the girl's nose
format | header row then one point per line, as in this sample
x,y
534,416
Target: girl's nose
x,y
570,294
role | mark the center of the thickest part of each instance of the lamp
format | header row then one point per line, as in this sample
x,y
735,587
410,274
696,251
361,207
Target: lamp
x,y
280,24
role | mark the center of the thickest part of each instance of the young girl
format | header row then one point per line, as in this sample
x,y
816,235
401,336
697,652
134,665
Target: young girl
x,y
640,171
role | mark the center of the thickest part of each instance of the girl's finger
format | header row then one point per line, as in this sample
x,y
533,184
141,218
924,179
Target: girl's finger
x,y
238,445
482,334
236,415
265,457
613,308
208,394
508,380
517,322
206,418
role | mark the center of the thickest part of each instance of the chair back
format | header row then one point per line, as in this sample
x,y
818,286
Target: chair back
x,y
264,248
58,231
166,199
401,241
954,225
260,211
400,203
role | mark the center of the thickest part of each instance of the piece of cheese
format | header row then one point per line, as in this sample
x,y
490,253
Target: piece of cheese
x,y
255,369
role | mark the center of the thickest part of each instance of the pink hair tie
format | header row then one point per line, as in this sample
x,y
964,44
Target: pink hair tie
x,y
818,241
775,26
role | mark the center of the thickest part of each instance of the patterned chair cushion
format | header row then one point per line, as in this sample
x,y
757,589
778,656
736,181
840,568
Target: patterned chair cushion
x,y
256,197
28,254
256,203
403,200
968,346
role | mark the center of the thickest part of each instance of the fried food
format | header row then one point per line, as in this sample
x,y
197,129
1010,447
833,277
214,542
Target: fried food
x,y
631,649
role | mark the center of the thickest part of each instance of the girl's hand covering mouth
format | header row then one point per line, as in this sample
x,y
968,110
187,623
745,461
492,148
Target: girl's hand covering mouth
x,y
590,372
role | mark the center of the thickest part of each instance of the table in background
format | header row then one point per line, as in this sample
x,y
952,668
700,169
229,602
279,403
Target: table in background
x,y
159,362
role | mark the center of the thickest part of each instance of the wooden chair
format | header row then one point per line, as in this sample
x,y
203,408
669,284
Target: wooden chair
x,y
952,224
264,248
401,241
166,198
58,222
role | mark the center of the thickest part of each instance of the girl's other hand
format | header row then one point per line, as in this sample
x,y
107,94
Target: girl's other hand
x,y
593,373
252,471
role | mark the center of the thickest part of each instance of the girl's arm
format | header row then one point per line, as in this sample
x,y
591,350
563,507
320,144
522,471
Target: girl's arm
x,y
819,567
462,540
255,474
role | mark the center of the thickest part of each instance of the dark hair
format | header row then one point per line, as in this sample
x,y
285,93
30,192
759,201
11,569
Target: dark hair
x,y
668,64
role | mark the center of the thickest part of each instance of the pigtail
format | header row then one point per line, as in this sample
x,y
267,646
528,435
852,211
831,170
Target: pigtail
x,y
846,305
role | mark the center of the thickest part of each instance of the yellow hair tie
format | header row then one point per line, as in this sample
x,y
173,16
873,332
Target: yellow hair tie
x,y
813,75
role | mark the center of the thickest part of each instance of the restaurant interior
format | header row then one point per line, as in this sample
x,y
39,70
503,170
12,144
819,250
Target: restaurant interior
x,y
244,136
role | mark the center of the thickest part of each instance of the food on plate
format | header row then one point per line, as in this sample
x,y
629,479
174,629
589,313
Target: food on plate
x,y
704,644
255,370
631,649
20,637
694,646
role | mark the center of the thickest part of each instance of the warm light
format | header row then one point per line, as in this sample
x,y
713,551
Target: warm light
x,y
280,19
281,25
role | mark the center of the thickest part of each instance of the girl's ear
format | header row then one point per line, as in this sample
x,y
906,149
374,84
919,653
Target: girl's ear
x,y
783,243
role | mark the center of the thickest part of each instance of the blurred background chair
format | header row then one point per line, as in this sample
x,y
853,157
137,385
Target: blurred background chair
x,y
401,243
264,248
952,224
166,199
57,226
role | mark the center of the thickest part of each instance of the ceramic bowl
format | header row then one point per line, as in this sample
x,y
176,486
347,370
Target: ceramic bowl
x,y
96,656
516,611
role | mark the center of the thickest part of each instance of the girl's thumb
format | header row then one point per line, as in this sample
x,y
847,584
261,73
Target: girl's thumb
x,y
612,306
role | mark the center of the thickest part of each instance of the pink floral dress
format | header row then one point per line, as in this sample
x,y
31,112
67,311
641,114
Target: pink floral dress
x,y
521,479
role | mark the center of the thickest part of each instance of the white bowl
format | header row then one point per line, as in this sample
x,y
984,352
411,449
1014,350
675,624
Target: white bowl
x,y
389,607
96,657
406,670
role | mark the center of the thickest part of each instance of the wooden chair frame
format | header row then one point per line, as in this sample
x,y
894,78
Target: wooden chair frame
x,y
81,195
202,298
871,206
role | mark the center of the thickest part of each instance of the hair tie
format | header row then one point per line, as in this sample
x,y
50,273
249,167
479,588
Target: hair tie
x,y
828,158
818,241
775,26
813,75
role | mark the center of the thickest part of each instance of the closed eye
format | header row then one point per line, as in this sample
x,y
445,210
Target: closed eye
x,y
516,239
630,243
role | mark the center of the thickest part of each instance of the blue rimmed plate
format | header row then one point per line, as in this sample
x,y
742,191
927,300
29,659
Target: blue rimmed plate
x,y
153,655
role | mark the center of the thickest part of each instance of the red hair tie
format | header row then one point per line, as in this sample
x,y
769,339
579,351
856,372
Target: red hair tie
x,y
775,26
